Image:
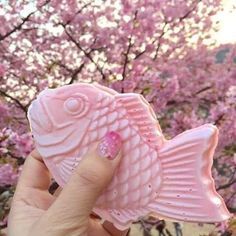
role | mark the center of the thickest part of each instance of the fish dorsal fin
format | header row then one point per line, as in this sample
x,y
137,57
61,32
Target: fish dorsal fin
x,y
143,116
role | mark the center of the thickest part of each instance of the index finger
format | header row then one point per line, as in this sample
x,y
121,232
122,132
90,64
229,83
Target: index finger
x,y
35,173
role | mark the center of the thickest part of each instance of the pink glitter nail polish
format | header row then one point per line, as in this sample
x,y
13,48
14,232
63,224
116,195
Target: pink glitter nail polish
x,y
110,145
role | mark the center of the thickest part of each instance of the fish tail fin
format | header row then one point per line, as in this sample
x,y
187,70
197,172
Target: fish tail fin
x,y
188,192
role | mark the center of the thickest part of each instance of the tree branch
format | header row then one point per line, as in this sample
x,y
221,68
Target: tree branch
x,y
219,119
78,12
190,11
231,197
75,73
126,59
139,54
231,181
85,53
19,104
159,38
95,49
232,209
166,23
126,54
18,27
203,90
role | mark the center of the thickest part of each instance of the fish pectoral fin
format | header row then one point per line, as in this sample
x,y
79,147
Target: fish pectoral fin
x,y
188,192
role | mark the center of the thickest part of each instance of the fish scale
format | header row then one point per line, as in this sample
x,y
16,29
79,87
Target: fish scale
x,y
131,154
168,178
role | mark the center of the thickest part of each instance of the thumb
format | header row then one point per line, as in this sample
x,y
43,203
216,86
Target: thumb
x,y
88,180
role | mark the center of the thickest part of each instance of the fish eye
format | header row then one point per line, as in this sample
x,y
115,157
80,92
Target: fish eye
x,y
72,104
76,105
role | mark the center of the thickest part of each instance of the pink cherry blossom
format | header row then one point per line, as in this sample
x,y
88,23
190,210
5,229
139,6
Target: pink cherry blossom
x,y
8,176
2,70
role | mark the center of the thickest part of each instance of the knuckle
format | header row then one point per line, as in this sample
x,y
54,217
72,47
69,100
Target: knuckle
x,y
93,177
89,178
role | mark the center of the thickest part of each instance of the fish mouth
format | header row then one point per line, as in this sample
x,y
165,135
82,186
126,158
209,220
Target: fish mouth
x,y
39,119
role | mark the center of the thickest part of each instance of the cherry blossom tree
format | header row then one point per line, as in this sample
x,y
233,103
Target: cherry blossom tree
x,y
163,50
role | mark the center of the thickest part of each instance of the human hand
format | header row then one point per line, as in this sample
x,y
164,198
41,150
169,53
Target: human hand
x,y
36,212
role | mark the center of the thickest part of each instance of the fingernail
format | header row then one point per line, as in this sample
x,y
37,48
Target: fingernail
x,y
110,145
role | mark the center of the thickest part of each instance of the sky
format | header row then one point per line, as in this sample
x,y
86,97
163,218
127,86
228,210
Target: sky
x,y
227,19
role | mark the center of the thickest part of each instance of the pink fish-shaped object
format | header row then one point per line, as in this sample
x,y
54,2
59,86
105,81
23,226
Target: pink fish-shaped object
x,y
169,178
